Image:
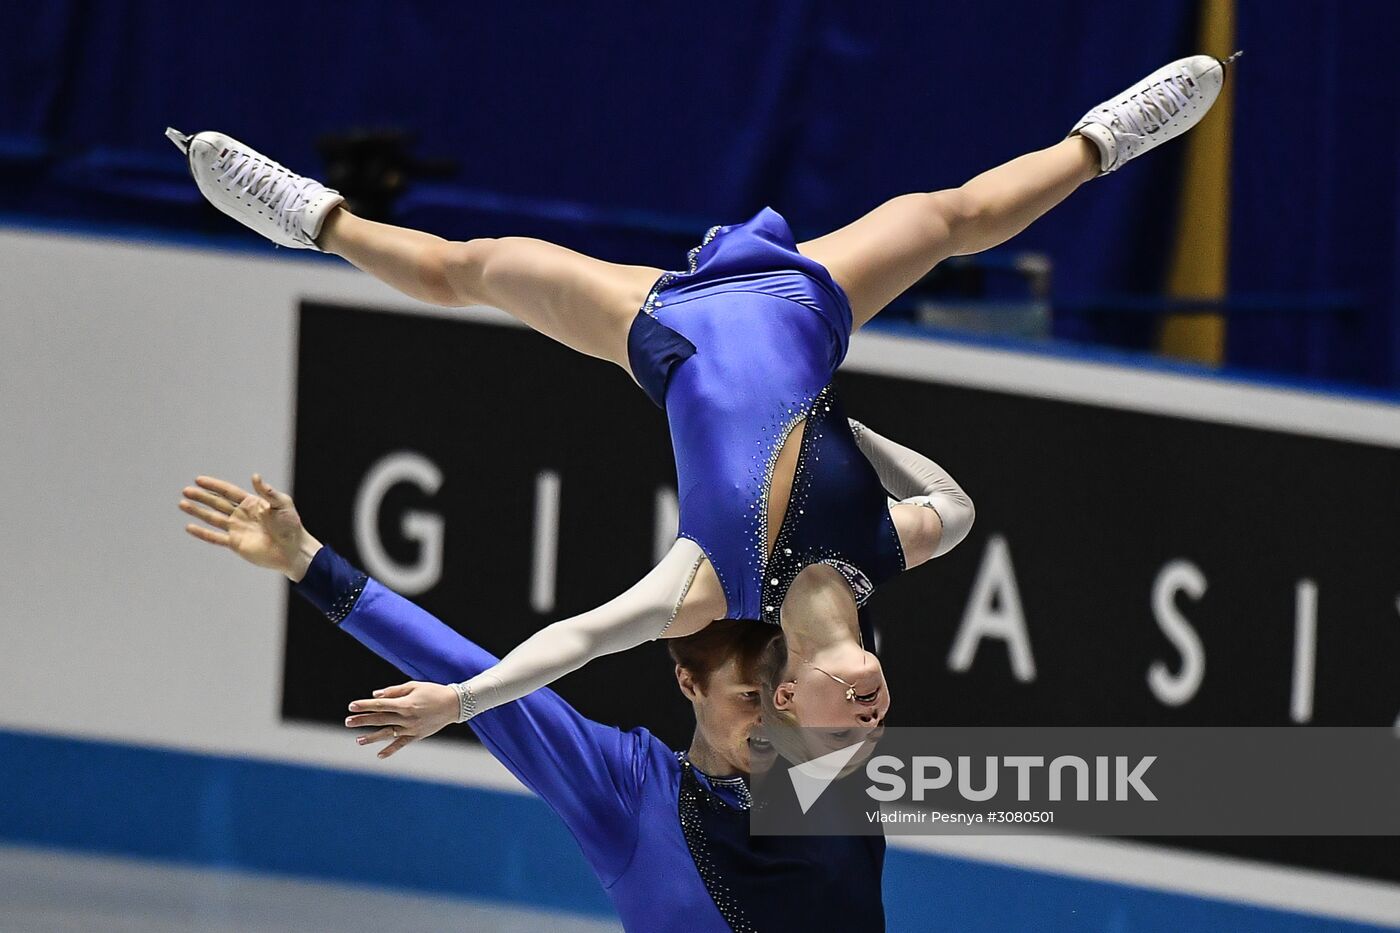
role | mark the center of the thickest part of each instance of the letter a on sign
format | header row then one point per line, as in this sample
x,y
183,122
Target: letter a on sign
x,y
994,611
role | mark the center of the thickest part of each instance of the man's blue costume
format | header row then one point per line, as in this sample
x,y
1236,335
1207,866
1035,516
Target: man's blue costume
x,y
669,843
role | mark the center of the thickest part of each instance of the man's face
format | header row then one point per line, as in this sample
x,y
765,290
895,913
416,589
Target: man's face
x,y
727,716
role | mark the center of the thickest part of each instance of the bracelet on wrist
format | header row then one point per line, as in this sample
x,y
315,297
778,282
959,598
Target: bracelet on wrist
x,y
466,702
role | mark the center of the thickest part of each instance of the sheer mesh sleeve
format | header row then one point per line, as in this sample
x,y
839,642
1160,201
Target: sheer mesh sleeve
x,y
917,480
639,615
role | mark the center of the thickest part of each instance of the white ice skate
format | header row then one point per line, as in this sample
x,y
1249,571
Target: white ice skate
x,y
283,206
1160,107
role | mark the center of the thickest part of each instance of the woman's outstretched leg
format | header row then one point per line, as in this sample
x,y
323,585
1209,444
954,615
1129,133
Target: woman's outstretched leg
x,y
584,303
889,249
886,251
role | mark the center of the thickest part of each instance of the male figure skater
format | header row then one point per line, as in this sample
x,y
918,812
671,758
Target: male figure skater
x,y
666,832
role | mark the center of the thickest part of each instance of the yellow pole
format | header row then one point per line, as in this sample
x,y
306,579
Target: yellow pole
x,y
1200,258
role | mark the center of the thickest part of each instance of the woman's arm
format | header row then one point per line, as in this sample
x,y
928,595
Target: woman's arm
x,y
265,530
918,481
639,615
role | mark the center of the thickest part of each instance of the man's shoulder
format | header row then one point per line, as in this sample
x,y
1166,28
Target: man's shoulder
x,y
656,765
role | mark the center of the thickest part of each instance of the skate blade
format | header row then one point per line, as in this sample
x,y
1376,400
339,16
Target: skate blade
x,y
181,141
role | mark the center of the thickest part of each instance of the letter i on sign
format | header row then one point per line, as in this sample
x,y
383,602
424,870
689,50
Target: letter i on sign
x,y
1304,650
544,568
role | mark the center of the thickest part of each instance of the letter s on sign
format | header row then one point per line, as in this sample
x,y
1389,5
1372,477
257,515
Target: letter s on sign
x,y
424,528
1174,689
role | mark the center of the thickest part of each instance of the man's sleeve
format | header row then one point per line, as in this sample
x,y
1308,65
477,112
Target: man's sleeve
x,y
588,773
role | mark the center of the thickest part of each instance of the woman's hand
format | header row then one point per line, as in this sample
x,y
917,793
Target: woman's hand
x,y
406,713
262,528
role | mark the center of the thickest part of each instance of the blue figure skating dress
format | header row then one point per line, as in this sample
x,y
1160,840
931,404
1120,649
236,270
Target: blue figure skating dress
x,y
738,350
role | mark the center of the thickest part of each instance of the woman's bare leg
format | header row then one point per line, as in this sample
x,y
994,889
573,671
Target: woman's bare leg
x,y
584,303
880,255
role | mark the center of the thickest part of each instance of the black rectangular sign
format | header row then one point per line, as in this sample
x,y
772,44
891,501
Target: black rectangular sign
x,y
1126,568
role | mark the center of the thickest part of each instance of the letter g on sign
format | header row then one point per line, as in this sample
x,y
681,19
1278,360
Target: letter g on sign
x,y
423,528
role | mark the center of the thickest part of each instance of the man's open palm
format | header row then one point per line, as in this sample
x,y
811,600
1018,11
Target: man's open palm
x,y
262,527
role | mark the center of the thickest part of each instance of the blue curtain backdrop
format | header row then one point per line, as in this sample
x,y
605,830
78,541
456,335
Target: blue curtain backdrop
x,y
625,129
1317,185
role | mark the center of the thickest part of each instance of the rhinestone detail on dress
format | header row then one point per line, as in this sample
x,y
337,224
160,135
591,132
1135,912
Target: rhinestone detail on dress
x,y
667,279
693,797
344,602
780,431
783,565
680,600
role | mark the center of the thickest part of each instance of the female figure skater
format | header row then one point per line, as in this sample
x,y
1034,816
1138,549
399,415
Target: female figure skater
x,y
784,517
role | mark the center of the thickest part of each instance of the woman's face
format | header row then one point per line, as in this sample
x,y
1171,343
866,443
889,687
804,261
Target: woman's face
x,y
828,719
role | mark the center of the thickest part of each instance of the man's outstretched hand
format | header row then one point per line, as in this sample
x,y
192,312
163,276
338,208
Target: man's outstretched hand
x,y
262,527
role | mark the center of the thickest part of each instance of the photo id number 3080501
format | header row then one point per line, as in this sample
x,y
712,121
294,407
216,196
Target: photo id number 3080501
x,y
1020,816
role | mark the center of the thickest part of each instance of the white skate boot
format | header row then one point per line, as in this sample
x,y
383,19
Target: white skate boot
x,y
1160,107
257,192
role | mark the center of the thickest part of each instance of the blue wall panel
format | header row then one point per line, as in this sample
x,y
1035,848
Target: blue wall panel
x,y
626,130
